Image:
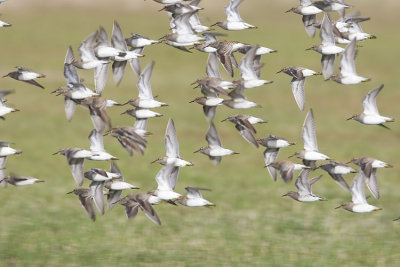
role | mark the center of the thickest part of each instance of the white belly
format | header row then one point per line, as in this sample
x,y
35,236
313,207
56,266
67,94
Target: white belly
x,y
362,208
145,114
314,155
149,103
119,185
310,10
106,51
331,50
220,152
6,151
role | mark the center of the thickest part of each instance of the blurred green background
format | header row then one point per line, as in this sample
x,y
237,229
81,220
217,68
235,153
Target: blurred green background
x,y
252,224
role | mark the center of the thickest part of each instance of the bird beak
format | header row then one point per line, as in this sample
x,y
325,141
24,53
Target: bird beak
x,y
339,207
308,48
292,143
280,71
125,103
197,150
318,73
70,192
284,195
291,156
224,120
55,153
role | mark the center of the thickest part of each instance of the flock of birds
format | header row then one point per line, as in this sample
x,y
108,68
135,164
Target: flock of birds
x,y
97,52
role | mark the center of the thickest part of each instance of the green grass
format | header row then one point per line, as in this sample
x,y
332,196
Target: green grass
x,y
252,224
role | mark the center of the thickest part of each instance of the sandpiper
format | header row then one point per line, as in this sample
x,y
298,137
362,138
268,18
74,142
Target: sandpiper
x,y
172,148
250,69
370,115
86,199
348,73
233,20
245,127
238,99
303,184
336,170
194,198
4,110
97,110
166,180
26,75
358,201
4,24
97,147
133,202
209,103
214,150
273,143
225,51
328,49
21,180
5,150
348,28
299,75
103,47
138,41
119,63
142,113
308,11
89,60
310,152
145,98
75,158
285,168
369,168
129,138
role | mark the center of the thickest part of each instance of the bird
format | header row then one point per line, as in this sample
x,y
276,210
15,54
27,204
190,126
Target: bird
x,y
129,138
348,74
209,102
137,42
172,148
237,98
370,115
308,12
26,75
97,147
233,20
86,199
115,186
310,153
348,28
304,192
194,198
286,169
134,202
166,180
336,169
89,60
103,47
299,75
369,167
273,144
214,150
4,24
5,151
20,180
358,203
75,158
328,49
119,64
145,99
75,89
245,128
225,50
97,110
4,110
142,113
249,67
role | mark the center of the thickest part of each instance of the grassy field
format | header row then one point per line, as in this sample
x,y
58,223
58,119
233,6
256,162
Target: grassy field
x,y
252,225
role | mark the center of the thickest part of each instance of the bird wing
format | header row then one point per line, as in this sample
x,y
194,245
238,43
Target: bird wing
x,y
76,166
96,141
145,206
35,83
118,68
209,112
135,62
231,11
308,134
70,72
86,201
303,184
347,64
372,184
69,107
117,38
247,66
238,91
212,68
86,48
357,189
212,136
171,140
246,133
3,161
182,25
143,83
286,172
328,65
299,92
96,189
326,32
309,22
369,101
163,177
100,77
